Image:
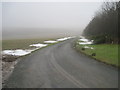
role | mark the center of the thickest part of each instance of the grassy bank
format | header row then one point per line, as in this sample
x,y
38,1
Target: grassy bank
x,y
21,43
107,53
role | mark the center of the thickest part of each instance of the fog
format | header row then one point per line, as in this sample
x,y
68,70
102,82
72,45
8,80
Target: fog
x,y
46,19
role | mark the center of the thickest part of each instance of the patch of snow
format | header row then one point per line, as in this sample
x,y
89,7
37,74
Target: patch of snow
x,y
50,41
84,40
70,37
84,43
88,47
62,39
92,48
39,45
18,52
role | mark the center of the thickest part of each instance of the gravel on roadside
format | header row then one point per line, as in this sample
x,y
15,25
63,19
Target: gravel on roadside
x,y
8,64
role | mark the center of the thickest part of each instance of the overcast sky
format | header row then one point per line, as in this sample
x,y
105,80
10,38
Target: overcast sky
x,y
46,19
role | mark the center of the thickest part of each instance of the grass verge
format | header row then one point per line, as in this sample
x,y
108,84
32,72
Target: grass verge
x,y
107,53
21,43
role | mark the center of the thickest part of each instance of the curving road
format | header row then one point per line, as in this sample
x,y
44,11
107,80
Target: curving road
x,y
60,66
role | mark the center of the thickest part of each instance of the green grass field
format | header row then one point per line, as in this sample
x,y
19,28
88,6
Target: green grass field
x,y
107,53
21,43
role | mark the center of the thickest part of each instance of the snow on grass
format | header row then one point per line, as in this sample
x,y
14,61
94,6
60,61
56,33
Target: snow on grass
x,y
70,37
39,45
18,52
50,41
62,39
91,48
88,47
85,41
21,52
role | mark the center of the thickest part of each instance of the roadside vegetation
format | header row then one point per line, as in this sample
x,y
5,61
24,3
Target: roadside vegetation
x,y
103,28
103,31
107,53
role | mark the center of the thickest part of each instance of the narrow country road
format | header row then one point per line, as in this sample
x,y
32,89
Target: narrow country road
x,y
60,66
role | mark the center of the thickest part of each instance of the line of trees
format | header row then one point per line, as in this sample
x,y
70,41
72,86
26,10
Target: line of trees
x,y
103,28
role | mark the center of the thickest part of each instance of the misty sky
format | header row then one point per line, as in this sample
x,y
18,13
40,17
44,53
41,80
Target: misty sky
x,y
46,19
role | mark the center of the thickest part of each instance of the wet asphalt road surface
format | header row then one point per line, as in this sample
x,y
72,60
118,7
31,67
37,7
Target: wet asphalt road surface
x,y
61,66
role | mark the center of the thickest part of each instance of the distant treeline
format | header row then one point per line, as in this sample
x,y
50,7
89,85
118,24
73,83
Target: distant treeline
x,y
103,28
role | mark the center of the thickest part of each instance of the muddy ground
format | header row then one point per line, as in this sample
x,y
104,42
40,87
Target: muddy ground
x,y
8,63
